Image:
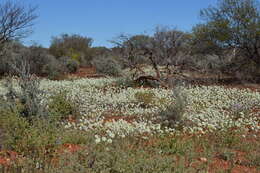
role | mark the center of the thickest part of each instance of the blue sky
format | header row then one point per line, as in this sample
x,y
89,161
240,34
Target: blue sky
x,y
103,20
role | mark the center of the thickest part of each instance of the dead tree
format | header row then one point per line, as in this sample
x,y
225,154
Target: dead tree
x,y
159,50
16,21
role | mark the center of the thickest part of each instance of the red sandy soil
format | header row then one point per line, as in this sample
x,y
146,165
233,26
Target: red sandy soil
x,y
71,148
219,164
7,157
86,72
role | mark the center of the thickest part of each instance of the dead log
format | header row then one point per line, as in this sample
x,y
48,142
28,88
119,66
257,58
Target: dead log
x,y
143,79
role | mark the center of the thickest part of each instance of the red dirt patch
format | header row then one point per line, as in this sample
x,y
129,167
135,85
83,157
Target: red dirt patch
x,y
219,164
71,148
6,157
86,72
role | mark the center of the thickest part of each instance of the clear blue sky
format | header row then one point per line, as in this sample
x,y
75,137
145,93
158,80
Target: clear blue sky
x,y
103,20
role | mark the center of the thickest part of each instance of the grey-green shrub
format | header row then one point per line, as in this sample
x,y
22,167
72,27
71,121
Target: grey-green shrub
x,y
70,64
29,96
54,69
172,116
107,65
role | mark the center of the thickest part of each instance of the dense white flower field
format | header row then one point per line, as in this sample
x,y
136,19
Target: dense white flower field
x,y
208,108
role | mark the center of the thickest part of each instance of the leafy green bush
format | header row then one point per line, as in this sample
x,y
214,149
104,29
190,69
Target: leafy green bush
x,y
61,108
11,124
23,135
107,65
75,46
72,65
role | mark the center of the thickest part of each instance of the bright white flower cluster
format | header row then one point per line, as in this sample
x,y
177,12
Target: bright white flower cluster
x,y
119,129
213,108
208,109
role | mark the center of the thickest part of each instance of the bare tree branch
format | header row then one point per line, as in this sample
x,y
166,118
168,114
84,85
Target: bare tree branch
x,y
16,21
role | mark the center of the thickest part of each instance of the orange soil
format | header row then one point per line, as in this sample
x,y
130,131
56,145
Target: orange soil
x,y
86,72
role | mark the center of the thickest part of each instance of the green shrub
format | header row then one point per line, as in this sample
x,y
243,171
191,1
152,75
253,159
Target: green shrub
x,y
61,108
74,46
107,65
12,125
147,98
72,65
24,136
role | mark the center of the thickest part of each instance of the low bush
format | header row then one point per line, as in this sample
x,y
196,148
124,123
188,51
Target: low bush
x,y
61,108
107,65
28,98
25,135
72,65
172,116
8,54
147,98
54,69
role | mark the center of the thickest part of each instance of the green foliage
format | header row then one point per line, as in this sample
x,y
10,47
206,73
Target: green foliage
x,y
176,146
72,65
231,24
26,136
107,65
134,161
61,108
74,46
147,98
12,124
227,155
254,159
